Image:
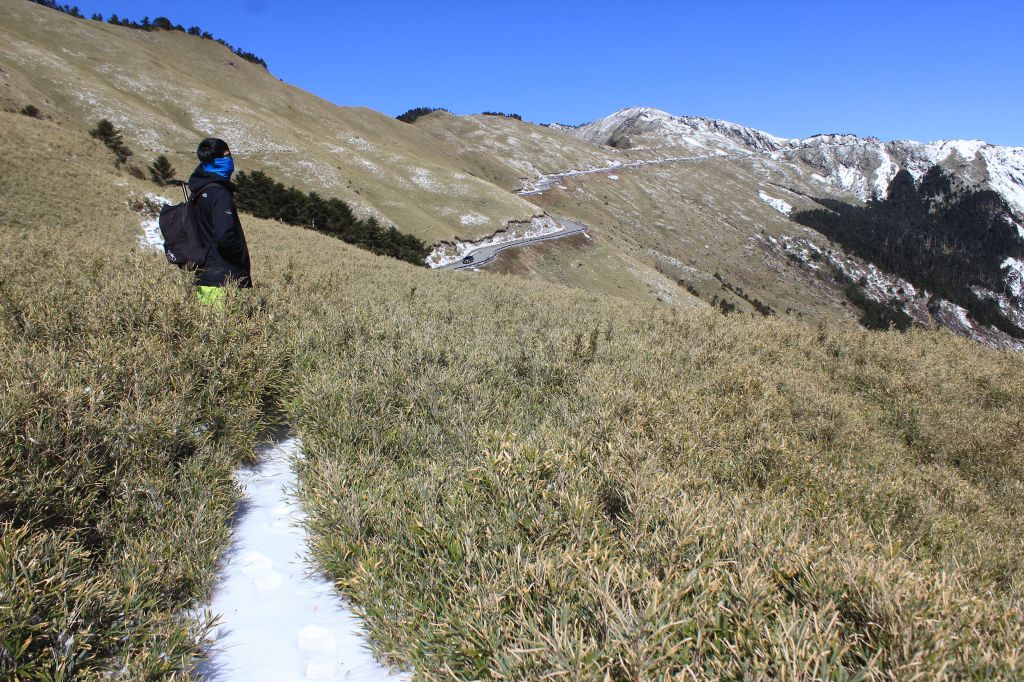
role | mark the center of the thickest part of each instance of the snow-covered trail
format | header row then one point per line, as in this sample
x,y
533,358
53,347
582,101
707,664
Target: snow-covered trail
x,y
281,620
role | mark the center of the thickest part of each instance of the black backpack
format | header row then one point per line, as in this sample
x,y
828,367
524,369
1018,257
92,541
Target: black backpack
x,y
183,244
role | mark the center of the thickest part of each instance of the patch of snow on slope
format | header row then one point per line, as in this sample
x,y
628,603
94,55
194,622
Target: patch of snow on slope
x,y
353,141
422,178
847,176
325,174
376,170
1015,277
281,620
941,149
1006,175
151,237
244,136
885,172
778,204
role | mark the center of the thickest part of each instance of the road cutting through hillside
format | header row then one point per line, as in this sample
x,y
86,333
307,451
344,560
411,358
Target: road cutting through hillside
x,y
487,254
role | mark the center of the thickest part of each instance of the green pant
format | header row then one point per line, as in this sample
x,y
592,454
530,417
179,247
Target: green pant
x,y
211,296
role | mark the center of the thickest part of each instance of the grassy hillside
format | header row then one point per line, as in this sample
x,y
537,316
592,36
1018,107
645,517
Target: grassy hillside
x,y
510,479
124,409
168,90
524,150
574,487
660,232
444,177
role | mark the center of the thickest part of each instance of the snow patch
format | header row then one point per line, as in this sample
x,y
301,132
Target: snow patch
x,y
421,178
151,237
280,618
1005,167
1014,278
778,204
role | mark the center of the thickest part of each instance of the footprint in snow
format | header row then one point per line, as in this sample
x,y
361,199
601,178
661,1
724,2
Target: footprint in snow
x,y
258,568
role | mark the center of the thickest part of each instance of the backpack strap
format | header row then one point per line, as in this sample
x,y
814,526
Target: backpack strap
x,y
194,195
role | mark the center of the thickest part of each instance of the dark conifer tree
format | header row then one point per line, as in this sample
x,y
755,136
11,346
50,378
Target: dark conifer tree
x,y
902,189
111,137
161,171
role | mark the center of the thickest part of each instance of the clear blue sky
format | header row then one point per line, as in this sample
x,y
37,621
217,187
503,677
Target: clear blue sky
x,y
898,69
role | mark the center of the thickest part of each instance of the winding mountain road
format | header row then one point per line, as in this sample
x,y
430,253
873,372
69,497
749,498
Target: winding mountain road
x,y
487,254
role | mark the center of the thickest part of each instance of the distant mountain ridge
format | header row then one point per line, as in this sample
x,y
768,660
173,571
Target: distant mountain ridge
x,y
862,166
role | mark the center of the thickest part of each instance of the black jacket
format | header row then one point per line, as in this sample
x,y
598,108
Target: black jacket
x,y
228,257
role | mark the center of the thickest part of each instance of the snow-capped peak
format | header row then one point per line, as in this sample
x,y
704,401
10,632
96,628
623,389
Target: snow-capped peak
x,y
862,166
648,128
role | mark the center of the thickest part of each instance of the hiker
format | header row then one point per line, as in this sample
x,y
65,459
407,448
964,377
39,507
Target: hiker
x,y
217,220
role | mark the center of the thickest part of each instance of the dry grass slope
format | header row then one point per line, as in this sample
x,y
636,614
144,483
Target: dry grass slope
x,y
124,410
511,480
168,90
571,487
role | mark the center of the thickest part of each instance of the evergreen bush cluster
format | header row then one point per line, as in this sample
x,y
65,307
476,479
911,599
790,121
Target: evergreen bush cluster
x,y
264,197
928,234
413,114
31,110
161,171
106,133
763,308
504,115
158,24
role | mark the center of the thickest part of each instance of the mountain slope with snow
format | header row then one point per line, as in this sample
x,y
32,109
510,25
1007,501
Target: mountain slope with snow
x,y
862,166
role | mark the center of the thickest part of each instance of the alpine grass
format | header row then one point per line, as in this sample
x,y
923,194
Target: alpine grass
x,y
125,408
509,480
522,485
